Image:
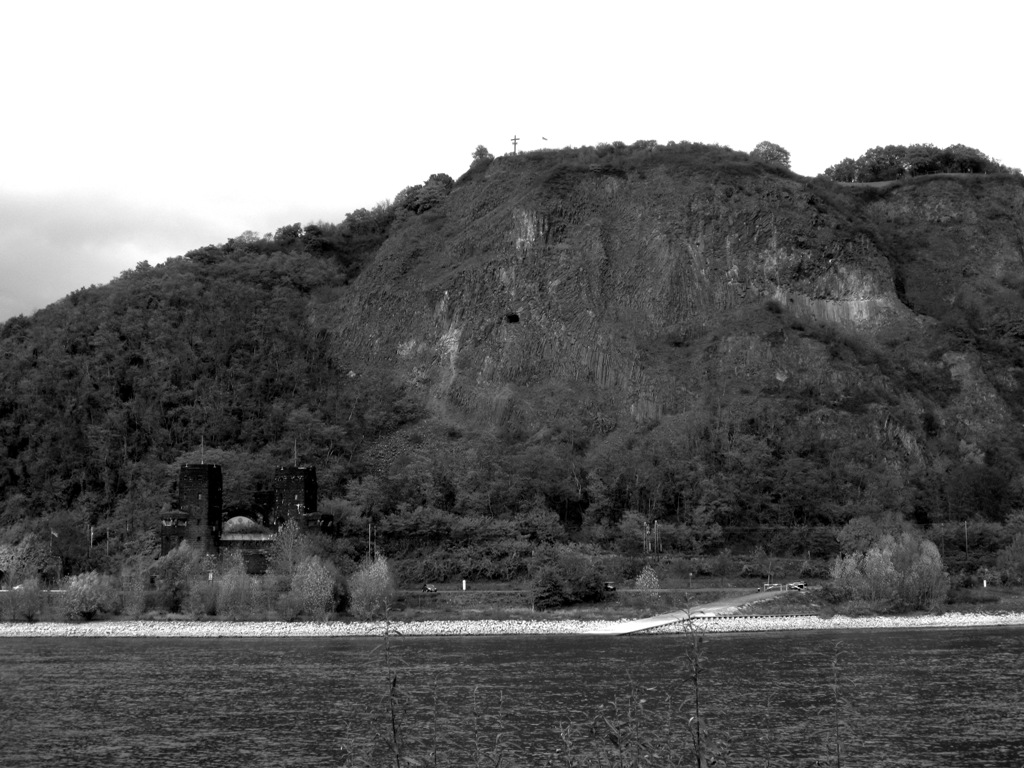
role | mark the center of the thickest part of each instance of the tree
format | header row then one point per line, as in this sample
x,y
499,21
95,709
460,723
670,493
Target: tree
x,y
431,193
767,152
480,154
896,161
647,585
883,163
565,575
844,171
860,533
234,588
313,586
548,590
1011,560
288,236
86,595
290,548
25,561
922,159
174,574
372,590
24,603
904,570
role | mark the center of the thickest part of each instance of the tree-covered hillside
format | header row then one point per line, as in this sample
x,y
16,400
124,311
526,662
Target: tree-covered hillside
x,y
105,392
561,346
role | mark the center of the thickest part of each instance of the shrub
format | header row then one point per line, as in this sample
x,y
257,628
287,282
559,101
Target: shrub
x,y
23,602
1011,560
972,597
201,599
86,595
647,585
566,575
371,590
133,591
234,588
174,573
770,153
549,590
289,549
814,569
288,607
905,571
313,587
234,595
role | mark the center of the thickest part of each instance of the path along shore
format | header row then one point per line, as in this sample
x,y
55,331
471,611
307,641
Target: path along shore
x,y
210,629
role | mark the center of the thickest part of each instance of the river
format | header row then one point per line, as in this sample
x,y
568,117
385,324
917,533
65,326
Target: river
x,y
896,698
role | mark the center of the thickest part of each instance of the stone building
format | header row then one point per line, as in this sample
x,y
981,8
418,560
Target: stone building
x,y
197,519
295,492
251,538
173,530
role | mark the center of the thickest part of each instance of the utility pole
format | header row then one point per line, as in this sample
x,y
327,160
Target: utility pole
x,y
515,143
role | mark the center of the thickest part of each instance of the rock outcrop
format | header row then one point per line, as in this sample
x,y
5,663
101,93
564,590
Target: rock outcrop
x,y
640,286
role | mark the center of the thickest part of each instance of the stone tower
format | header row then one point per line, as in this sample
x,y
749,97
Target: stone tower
x,y
200,498
173,530
295,492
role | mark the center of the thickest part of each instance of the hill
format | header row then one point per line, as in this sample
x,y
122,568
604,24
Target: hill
x,y
561,345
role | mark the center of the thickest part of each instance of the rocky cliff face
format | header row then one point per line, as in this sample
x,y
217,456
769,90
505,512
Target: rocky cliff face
x,y
707,302
647,281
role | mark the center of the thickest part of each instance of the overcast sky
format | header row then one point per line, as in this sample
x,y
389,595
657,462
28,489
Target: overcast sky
x,y
135,131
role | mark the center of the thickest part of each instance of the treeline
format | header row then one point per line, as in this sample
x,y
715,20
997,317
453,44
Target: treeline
x,y
617,157
302,581
347,245
896,161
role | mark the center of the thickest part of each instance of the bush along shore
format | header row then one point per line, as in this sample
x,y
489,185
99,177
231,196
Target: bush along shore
x,y
211,629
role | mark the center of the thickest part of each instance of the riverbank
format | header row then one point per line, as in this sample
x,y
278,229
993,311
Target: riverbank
x,y
210,629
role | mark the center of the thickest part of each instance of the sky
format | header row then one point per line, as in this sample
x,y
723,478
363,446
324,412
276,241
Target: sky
x,y
134,131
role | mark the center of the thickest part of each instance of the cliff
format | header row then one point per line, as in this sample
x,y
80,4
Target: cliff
x,y
649,288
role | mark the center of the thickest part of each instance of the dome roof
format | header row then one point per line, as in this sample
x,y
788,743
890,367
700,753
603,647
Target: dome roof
x,y
242,524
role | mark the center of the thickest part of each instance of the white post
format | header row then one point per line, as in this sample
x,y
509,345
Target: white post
x,y
463,585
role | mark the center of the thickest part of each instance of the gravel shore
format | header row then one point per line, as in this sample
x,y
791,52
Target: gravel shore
x,y
490,627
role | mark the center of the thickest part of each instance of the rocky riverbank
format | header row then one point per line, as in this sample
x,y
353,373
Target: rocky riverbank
x,y
211,629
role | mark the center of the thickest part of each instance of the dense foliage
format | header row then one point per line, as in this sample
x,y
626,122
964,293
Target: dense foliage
x,y
372,589
769,152
103,394
896,161
904,570
564,575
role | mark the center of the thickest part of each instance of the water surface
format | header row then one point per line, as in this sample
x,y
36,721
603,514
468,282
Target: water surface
x,y
900,697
